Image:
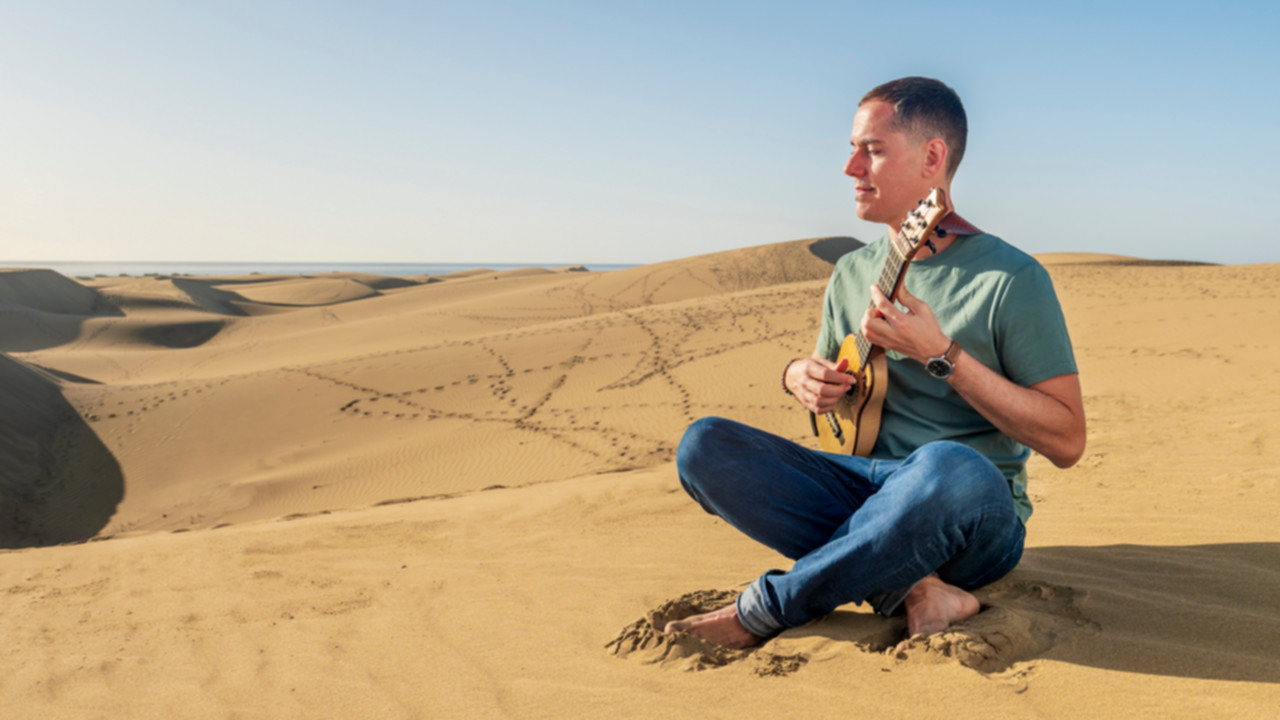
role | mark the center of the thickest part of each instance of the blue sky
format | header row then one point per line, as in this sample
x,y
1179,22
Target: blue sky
x,y
554,131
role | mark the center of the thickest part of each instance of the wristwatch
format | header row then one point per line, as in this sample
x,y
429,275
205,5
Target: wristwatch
x,y
941,367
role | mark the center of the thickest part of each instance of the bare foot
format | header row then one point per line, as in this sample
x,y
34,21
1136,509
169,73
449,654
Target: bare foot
x,y
933,605
719,627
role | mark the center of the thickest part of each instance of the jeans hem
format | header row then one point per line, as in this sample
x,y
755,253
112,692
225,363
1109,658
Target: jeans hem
x,y
754,615
888,603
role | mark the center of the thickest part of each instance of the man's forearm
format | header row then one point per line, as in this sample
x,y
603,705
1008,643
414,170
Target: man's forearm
x,y
1047,417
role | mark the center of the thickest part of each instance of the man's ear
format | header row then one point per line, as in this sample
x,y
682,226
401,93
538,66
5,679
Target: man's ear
x,y
935,158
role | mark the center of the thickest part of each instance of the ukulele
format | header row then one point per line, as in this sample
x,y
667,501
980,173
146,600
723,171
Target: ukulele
x,y
853,424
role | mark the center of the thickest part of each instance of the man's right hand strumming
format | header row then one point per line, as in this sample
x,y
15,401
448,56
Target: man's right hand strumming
x,y
817,383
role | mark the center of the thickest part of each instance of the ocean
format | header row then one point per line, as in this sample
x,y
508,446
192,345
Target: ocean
x,y
113,269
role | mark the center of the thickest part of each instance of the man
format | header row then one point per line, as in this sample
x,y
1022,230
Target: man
x,y
940,506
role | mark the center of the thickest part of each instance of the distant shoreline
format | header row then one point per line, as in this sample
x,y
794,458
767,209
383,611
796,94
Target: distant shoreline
x,y
141,269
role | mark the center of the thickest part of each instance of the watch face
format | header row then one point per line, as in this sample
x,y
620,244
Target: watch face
x,y
938,367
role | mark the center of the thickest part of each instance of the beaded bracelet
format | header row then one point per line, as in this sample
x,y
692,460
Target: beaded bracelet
x,y
785,389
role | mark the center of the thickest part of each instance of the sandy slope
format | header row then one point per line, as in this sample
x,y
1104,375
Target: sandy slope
x,y
354,496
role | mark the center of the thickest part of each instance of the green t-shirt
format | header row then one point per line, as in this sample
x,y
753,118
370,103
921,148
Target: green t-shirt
x,y
993,299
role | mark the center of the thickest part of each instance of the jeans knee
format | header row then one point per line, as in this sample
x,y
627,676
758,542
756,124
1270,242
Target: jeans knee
x,y
948,452
701,444
956,473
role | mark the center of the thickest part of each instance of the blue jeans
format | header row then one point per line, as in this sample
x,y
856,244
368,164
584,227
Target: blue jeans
x,y
857,529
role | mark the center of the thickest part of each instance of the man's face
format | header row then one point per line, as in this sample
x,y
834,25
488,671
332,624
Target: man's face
x,y
887,166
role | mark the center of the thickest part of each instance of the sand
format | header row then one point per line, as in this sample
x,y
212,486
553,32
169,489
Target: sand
x,y
347,496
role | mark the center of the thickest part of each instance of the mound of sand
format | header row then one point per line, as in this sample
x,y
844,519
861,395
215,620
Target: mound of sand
x,y
377,282
135,295
645,639
42,308
1081,258
306,291
51,292
717,273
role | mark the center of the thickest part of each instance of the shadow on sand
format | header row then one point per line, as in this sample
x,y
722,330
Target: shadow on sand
x,y
1200,611
830,249
58,482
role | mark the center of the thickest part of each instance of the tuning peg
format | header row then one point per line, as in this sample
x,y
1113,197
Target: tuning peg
x,y
941,233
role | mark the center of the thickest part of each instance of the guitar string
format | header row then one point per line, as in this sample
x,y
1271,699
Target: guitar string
x,y
892,270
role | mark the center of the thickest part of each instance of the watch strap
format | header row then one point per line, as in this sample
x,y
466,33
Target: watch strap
x,y
942,366
953,352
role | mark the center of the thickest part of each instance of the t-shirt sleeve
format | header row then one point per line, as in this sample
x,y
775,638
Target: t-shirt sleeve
x,y
1032,339
828,346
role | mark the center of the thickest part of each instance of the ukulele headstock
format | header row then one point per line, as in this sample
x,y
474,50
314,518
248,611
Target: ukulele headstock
x,y
917,230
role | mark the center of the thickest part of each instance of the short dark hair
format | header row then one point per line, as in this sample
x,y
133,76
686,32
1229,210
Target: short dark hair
x,y
925,108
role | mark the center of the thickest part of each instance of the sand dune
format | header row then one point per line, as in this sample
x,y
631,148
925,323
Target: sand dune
x,y
349,495
50,292
1082,258
306,291
40,308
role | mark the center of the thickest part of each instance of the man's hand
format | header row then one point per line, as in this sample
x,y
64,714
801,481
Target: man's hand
x,y
914,333
818,382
